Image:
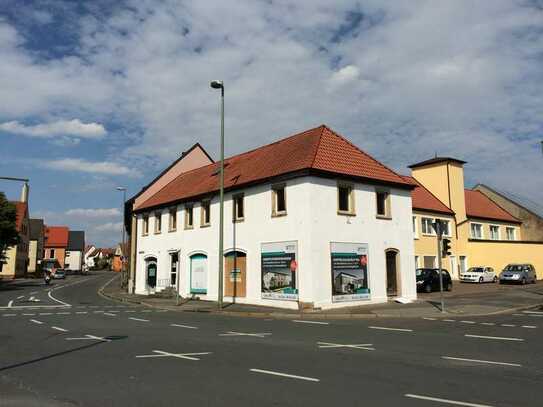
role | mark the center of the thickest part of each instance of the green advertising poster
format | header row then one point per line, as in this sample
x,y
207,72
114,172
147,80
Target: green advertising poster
x,y
279,271
349,272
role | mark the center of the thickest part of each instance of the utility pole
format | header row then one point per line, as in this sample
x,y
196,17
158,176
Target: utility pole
x,y
123,250
438,227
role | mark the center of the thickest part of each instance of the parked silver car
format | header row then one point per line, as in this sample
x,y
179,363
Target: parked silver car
x,y
518,273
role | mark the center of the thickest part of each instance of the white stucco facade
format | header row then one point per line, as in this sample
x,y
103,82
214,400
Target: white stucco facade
x,y
312,221
73,260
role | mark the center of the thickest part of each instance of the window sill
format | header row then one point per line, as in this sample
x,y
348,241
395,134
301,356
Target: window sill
x,y
189,227
157,233
278,214
346,213
172,230
238,220
144,234
385,217
429,234
206,225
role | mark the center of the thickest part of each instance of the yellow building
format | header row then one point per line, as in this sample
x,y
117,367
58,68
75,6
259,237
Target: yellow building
x,y
481,232
17,256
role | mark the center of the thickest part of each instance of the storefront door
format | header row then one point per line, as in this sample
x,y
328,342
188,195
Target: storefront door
x,y
235,274
198,274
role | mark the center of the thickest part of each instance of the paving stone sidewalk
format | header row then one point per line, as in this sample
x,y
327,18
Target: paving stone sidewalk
x,y
466,302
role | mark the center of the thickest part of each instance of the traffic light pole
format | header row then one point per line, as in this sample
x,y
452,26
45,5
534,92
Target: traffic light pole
x,y
439,266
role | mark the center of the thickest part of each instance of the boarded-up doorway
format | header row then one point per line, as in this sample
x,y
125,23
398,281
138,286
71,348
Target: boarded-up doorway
x,y
392,272
235,274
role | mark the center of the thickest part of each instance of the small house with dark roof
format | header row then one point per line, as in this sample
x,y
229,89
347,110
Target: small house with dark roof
x,y
303,194
75,250
36,244
482,231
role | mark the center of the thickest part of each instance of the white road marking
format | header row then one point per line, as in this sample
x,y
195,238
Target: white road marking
x,y
446,401
449,320
90,337
138,319
10,304
302,321
390,329
63,313
500,338
508,325
112,311
46,313
110,314
529,326
81,312
20,296
59,329
130,311
33,292
160,353
488,323
36,321
429,319
184,326
29,315
97,312
309,379
481,361
258,335
533,312
9,315
364,346
468,322
146,310
534,315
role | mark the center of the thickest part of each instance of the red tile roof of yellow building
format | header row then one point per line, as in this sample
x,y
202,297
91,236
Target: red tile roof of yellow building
x,y
424,200
478,205
56,236
320,150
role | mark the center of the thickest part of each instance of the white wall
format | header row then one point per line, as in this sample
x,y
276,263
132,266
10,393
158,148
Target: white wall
x,y
312,221
73,261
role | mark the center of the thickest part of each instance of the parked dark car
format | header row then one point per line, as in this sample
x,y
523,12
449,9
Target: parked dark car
x,y
518,273
428,280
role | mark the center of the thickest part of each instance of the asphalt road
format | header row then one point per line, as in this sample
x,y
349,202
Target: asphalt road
x,y
94,352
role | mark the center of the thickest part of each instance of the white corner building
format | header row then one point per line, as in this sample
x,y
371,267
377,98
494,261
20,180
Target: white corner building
x,y
310,221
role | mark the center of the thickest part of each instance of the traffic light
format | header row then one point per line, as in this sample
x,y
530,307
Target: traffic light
x,y
445,247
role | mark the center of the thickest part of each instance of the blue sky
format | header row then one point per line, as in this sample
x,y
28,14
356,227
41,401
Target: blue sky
x,y
99,94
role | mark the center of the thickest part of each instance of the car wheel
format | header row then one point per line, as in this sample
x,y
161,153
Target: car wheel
x,y
481,279
427,288
495,279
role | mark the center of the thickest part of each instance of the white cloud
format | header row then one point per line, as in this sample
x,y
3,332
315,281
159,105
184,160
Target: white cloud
x,y
73,128
94,213
109,227
346,74
92,167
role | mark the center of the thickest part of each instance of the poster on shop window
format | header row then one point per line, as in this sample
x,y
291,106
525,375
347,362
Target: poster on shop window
x,y
279,271
349,272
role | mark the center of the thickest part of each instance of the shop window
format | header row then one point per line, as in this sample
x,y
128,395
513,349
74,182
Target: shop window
x,y
427,228
510,233
145,228
205,213
172,226
476,230
189,217
345,199
383,204
279,200
238,208
494,232
158,222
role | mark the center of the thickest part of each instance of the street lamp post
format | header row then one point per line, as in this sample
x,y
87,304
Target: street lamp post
x,y
123,189
220,85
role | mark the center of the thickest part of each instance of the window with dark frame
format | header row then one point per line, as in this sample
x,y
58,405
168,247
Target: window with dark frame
x,y
145,229
173,219
382,203
279,201
345,199
239,210
189,217
206,213
158,222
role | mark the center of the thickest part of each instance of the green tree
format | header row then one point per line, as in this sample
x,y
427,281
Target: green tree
x,y
8,231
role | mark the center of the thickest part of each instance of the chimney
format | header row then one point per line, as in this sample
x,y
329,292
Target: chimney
x,y
24,193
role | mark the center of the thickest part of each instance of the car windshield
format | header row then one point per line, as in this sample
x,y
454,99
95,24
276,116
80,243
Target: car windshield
x,y
475,270
514,267
422,272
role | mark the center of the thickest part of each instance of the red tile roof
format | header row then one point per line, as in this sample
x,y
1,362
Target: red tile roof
x,y
478,205
320,150
424,200
20,210
56,236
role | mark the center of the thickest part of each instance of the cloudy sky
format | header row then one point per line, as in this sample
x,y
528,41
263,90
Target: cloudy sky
x,y
97,94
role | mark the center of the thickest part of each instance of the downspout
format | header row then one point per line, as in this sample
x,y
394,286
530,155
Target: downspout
x,y
450,203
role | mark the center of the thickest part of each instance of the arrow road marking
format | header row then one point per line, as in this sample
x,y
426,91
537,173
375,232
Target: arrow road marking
x,y
160,354
364,346
258,335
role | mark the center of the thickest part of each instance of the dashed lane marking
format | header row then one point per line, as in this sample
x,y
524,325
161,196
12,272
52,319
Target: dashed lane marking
x,y
138,319
446,401
46,313
81,312
28,315
533,312
508,325
20,296
303,321
383,328
488,323
529,326
59,329
291,376
449,320
499,338
429,319
184,326
489,362
110,314
468,322
36,321
9,315
63,313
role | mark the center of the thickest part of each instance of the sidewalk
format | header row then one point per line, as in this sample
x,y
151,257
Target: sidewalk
x,y
468,301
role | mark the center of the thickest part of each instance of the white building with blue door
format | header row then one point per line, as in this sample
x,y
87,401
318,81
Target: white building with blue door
x,y
299,214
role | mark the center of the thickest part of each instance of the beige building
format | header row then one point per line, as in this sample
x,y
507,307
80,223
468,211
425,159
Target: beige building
x,y
17,256
35,249
482,233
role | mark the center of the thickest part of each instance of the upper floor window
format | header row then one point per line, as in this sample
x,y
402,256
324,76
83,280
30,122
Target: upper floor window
x,y
345,199
279,200
145,228
158,222
427,228
446,225
189,217
510,233
205,213
172,226
476,230
383,204
415,227
238,214
494,232
52,254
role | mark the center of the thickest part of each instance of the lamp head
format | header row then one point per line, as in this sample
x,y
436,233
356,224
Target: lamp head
x,y
217,84
120,189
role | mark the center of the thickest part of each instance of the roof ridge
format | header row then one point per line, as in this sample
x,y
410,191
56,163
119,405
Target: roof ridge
x,y
513,194
361,151
323,127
